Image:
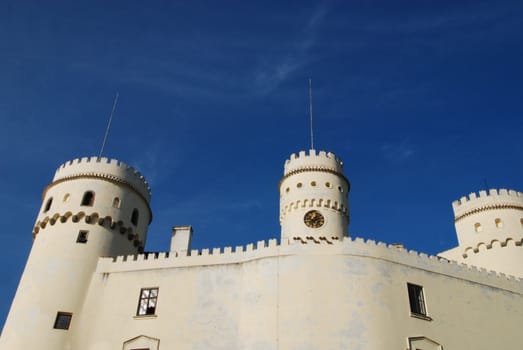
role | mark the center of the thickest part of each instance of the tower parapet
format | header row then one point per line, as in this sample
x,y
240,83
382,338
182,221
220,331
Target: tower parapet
x,y
488,215
103,168
314,196
493,199
489,226
303,161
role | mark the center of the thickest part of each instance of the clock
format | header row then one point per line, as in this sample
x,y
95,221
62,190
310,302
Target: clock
x,y
314,219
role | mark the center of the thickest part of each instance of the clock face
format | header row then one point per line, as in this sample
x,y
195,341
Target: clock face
x,y
314,219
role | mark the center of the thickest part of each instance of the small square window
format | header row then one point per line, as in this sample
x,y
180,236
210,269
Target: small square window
x,y
416,300
82,236
63,320
147,302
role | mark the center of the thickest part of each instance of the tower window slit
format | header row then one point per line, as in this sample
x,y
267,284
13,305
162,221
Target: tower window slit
x,y
134,217
477,227
116,202
48,205
88,199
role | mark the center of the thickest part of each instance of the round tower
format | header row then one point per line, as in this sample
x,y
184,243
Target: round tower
x,y
314,197
93,207
490,230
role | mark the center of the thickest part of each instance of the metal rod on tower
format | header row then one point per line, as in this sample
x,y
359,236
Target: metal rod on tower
x,y
109,124
310,113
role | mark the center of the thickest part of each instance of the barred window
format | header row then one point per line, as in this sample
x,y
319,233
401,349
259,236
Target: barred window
x,y
147,302
416,299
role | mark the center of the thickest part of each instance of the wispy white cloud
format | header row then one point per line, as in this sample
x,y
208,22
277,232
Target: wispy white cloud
x,y
156,156
187,67
172,76
276,70
397,152
311,29
453,26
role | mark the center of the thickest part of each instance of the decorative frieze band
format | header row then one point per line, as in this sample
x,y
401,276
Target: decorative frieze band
x,y
488,207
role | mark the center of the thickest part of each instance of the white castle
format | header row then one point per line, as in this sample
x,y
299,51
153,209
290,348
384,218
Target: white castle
x,y
89,285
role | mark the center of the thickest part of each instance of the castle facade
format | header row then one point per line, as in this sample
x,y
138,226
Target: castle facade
x,y
88,285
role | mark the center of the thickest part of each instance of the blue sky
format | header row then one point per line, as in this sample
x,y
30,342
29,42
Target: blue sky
x,y
421,99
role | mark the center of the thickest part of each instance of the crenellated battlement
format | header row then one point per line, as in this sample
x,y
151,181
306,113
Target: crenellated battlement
x,y
493,199
313,160
104,168
357,248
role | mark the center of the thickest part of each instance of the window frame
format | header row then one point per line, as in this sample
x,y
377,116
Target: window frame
x,y
63,317
148,299
417,302
82,237
141,342
422,342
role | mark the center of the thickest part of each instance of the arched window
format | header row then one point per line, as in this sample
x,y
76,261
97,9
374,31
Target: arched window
x,y
477,227
134,217
116,202
88,199
499,223
48,205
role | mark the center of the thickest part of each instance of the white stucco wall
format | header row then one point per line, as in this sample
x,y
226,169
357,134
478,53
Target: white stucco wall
x,y
345,295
